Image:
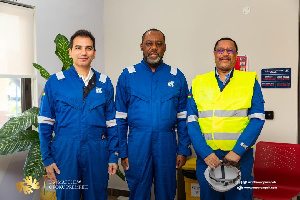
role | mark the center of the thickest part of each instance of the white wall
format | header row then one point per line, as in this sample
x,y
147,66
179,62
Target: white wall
x,y
53,17
268,35
65,17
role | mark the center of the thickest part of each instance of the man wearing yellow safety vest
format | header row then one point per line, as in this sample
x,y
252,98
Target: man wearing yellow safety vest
x,y
225,117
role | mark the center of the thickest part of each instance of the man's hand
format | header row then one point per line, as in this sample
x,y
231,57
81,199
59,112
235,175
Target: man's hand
x,y
180,161
232,156
112,168
50,171
125,163
212,161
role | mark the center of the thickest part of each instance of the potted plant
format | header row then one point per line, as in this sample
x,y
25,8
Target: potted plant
x,y
14,134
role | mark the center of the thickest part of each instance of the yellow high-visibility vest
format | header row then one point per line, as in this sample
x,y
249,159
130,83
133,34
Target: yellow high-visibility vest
x,y
223,116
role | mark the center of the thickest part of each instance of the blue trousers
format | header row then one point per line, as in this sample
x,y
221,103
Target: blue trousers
x,y
152,158
237,193
83,165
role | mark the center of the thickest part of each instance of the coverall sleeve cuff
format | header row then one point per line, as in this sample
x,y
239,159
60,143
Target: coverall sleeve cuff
x,y
123,154
206,153
185,152
48,161
238,149
113,159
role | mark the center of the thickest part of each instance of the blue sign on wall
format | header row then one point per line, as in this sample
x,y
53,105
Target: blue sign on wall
x,y
276,78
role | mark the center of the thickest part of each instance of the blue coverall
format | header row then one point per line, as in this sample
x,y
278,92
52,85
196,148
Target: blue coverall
x,y
151,104
86,137
247,139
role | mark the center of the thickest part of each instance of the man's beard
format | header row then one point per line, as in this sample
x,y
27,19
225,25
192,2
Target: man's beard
x,y
152,62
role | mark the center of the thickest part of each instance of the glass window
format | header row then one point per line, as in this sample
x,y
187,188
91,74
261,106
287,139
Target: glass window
x,y
10,99
17,56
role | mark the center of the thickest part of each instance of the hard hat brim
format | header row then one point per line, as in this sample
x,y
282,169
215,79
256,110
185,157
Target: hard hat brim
x,y
217,184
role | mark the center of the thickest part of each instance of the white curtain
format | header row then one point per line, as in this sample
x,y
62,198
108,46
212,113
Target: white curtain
x,y
16,40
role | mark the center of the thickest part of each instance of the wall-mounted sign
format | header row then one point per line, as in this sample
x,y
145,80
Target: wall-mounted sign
x,y
276,78
241,63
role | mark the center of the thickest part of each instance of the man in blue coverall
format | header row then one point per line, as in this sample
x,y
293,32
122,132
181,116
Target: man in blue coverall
x,y
77,105
151,99
225,118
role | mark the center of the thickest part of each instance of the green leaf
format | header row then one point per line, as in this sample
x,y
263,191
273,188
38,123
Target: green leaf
x,y
32,111
120,174
16,124
62,51
33,165
43,72
21,141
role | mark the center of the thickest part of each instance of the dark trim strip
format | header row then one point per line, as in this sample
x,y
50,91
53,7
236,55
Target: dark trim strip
x,y
17,4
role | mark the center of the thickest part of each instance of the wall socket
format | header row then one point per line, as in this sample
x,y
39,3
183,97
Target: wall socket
x,y
269,114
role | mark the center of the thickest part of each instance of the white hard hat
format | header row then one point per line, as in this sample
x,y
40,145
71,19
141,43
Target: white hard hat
x,y
223,178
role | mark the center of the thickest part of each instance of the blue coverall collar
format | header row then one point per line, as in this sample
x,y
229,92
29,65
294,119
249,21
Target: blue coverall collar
x,y
74,73
73,70
159,67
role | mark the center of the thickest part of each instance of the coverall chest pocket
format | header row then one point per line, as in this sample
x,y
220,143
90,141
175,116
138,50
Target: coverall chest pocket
x,y
65,110
169,106
139,107
96,113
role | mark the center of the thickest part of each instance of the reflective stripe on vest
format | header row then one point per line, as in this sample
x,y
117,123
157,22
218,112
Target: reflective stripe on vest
x,y
222,136
223,116
223,113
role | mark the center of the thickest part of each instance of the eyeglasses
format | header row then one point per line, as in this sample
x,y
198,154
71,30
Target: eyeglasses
x,y
221,51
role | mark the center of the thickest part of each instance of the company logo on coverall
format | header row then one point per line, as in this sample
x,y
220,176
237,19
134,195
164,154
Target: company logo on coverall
x,y
171,83
98,90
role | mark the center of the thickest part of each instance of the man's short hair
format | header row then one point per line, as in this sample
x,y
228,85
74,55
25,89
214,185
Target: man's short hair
x,y
82,33
153,29
226,38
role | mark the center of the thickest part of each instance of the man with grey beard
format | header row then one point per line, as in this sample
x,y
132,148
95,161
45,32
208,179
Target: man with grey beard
x,y
151,100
